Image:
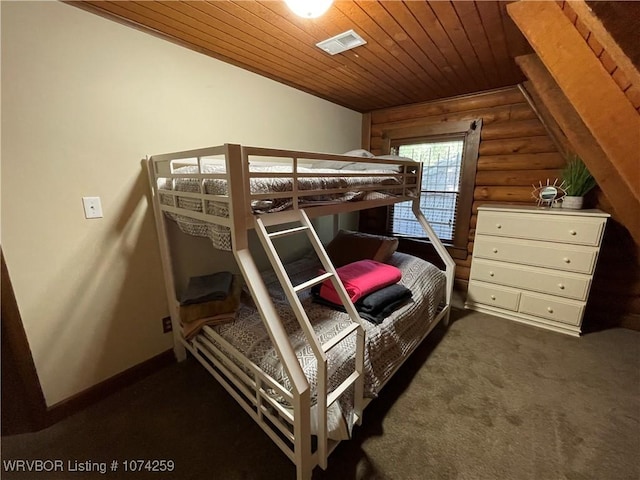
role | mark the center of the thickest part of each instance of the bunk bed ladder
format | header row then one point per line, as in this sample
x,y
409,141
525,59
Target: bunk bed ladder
x,y
324,399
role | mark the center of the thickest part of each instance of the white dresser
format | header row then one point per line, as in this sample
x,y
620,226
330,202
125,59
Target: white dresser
x,y
535,265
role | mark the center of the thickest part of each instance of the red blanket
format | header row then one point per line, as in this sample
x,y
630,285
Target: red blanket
x,y
361,278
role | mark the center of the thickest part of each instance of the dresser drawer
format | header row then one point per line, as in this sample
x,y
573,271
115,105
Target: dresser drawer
x,y
554,228
493,295
552,308
565,284
572,258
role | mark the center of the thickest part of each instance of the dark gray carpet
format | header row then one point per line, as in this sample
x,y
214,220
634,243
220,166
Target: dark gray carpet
x,y
484,399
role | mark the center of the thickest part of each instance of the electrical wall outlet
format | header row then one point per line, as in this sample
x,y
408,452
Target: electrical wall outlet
x,y
92,207
166,325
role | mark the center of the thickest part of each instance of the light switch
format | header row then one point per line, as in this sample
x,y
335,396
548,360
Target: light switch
x,y
92,207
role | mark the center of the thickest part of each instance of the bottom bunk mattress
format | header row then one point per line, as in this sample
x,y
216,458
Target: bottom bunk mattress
x,y
386,344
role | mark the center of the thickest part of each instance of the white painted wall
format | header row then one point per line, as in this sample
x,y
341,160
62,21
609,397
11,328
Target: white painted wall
x,y
84,99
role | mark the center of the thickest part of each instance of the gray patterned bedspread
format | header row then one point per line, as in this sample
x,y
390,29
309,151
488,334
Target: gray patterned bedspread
x,y
386,345
221,236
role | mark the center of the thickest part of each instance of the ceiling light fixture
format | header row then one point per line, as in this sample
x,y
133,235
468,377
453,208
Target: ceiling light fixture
x,y
309,8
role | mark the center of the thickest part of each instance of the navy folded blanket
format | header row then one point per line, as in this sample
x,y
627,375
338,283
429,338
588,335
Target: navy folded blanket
x,y
378,305
207,288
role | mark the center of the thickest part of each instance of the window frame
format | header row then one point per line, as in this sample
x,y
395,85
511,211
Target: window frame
x,y
470,131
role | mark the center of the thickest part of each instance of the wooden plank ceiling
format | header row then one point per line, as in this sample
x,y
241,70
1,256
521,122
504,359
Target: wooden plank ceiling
x,y
416,50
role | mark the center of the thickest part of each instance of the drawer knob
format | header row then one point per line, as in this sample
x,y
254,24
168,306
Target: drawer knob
x,y
493,297
561,286
572,232
491,274
549,309
498,225
495,250
566,260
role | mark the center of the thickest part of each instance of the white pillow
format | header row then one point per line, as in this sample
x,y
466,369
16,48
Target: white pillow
x,y
394,157
379,166
368,166
331,164
359,153
338,165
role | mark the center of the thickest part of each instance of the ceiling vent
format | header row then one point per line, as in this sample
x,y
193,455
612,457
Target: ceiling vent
x,y
341,43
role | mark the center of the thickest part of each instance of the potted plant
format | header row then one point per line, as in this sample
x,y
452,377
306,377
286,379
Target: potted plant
x,y
578,181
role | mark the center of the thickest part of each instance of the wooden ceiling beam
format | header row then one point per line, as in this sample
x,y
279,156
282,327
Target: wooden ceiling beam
x,y
544,115
593,23
625,205
596,97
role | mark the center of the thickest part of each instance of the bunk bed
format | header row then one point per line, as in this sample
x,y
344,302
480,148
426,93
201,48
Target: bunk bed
x,y
303,371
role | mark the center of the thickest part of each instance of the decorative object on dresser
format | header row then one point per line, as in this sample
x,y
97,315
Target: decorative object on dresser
x,y
535,265
579,182
549,194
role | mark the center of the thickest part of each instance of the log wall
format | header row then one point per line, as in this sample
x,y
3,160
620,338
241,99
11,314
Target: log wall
x,y
516,152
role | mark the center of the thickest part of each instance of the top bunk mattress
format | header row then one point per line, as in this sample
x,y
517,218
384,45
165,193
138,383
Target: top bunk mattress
x,y
273,188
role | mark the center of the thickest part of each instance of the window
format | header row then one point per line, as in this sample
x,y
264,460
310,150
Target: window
x,y
440,189
449,152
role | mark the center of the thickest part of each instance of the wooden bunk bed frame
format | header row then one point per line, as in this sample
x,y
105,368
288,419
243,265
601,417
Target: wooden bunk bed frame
x,y
290,428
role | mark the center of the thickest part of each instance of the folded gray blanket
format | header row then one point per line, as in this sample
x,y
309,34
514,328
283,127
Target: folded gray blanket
x,y
197,311
207,288
378,305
